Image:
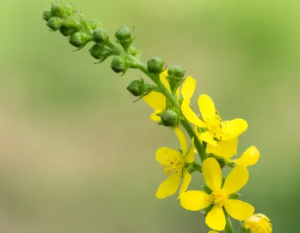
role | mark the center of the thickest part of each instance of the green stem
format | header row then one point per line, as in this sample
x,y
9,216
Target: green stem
x,y
194,167
243,227
199,147
228,228
155,78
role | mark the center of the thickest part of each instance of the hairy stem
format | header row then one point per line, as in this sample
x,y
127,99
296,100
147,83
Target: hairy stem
x,y
228,228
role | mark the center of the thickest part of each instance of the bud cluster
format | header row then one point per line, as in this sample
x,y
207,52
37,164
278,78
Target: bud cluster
x,y
61,17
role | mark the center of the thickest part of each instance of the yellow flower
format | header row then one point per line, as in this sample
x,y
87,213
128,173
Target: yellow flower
x,y
258,223
212,232
220,196
221,136
174,166
158,101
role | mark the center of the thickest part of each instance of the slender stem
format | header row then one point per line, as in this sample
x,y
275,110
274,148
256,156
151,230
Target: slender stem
x,y
155,78
194,167
228,228
199,147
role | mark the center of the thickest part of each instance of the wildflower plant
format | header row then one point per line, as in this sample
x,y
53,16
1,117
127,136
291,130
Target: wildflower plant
x,y
214,140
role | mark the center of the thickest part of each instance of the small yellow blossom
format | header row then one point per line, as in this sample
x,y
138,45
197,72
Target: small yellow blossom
x,y
212,232
174,166
158,101
221,136
220,196
258,223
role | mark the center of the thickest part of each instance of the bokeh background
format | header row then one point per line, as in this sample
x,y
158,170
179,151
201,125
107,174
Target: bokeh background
x,y
77,155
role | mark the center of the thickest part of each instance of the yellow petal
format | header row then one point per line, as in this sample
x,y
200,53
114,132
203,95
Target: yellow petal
x,y
190,156
209,138
236,179
185,182
190,115
263,216
156,100
249,157
239,210
188,88
169,186
182,139
206,107
163,79
166,155
212,174
215,219
225,149
232,129
195,200
154,117
212,232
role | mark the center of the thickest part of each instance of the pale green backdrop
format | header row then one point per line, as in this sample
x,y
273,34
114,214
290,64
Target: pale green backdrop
x,y
76,155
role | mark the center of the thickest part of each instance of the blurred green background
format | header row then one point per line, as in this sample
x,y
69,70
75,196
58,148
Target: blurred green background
x,y
76,155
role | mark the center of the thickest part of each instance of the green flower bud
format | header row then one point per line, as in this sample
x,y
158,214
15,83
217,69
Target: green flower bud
x,y
94,24
155,65
47,15
67,31
80,39
55,8
136,87
100,52
176,71
70,23
100,35
62,10
123,35
119,64
140,88
170,118
55,23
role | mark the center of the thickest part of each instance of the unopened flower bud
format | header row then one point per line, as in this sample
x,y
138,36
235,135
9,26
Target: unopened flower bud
x,y
119,64
176,71
55,23
94,24
47,15
170,118
67,31
123,35
61,10
80,39
155,65
100,52
55,8
100,35
136,87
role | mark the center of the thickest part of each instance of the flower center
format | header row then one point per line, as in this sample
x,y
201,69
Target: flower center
x,y
219,197
214,125
174,165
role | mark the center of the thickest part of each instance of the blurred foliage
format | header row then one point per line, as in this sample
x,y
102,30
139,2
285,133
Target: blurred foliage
x,y
76,155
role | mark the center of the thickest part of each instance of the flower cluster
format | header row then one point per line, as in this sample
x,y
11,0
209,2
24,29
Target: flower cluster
x,y
219,197
214,140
